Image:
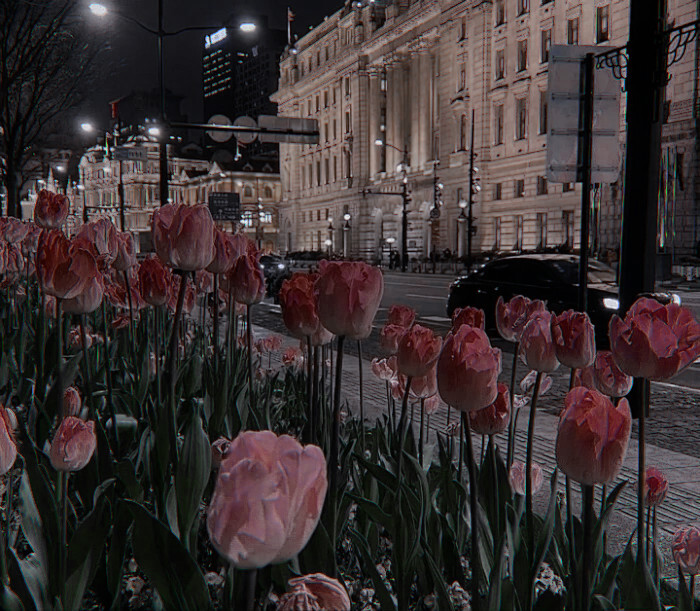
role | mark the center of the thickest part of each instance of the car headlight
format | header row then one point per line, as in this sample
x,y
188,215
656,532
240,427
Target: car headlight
x,y
676,298
280,266
611,303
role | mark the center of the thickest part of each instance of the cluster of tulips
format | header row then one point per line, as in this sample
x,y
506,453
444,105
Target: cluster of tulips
x,y
178,434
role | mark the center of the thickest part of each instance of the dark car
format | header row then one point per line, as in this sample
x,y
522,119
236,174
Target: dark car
x,y
550,277
276,271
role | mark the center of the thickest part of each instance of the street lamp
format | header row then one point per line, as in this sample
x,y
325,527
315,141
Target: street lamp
x,y
329,240
346,230
390,242
462,224
403,168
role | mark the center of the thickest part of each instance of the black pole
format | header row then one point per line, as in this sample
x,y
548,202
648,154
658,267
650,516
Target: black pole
x,y
163,144
585,148
404,215
470,218
645,83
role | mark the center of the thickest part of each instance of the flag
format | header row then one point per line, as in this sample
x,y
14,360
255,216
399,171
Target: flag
x,y
290,14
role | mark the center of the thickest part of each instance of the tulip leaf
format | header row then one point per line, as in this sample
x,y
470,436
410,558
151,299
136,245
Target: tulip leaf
x,y
9,601
685,602
171,569
29,581
641,591
192,475
443,596
117,549
386,600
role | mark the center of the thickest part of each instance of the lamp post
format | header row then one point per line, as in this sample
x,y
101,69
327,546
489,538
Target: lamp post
x,y
403,168
346,231
100,10
390,242
329,239
462,222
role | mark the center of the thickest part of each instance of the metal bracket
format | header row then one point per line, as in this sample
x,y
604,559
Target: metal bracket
x,y
616,60
679,38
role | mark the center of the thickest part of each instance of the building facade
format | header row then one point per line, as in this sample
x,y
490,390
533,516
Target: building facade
x,y
410,76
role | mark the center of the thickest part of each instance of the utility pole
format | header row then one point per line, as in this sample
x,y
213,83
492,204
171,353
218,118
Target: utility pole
x,y
404,212
163,143
470,219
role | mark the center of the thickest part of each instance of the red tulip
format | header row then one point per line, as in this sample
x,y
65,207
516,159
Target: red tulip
x,y
389,338
322,336
474,317
325,592
12,261
685,548
468,369
226,252
517,477
298,305
293,357
401,315
593,436
512,316
12,230
267,500
100,238
655,486
536,345
586,377
574,339
493,419
126,252
50,209
71,402
183,236
247,280
115,289
348,296
154,281
609,379
8,446
655,341
418,350
73,444
89,299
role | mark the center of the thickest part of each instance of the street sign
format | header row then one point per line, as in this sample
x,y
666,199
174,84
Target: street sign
x,y
217,135
564,136
306,129
245,137
129,153
225,206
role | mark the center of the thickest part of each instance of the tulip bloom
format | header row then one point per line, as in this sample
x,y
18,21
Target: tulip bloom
x,y
50,209
8,447
383,369
574,339
126,252
417,352
325,592
609,378
401,315
517,477
100,238
512,316
654,341
474,317
89,299
685,548
593,436
219,449
71,402
348,296
298,305
655,486
154,281
468,369
247,280
389,338
225,252
12,230
73,444
536,345
267,500
493,419
183,236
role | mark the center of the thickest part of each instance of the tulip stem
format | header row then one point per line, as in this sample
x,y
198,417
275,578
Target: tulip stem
x,y
528,464
648,528
215,329
335,441
310,393
403,421
172,369
108,377
86,367
692,589
511,424
317,389
63,550
59,371
641,467
251,578
5,529
156,325
362,401
420,437
473,510
132,333
569,500
249,343
587,498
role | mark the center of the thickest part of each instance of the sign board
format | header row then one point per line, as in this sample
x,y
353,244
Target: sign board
x,y
129,153
225,206
217,135
291,129
565,105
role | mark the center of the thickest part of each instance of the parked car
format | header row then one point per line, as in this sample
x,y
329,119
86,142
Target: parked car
x,y
276,271
550,277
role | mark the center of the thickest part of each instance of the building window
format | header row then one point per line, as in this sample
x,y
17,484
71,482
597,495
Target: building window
x,y
335,168
500,12
497,233
518,226
325,132
602,24
347,122
326,164
463,133
523,6
318,103
498,191
519,190
347,86
335,129
498,124
463,29
522,55
382,81
543,112
318,214
567,187
541,230
325,99
268,193
572,31
546,45
520,119
318,173
567,221
247,191
500,64
541,185
462,78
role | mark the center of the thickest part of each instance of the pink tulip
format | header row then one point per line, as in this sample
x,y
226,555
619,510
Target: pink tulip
x,y
50,209
71,402
8,446
609,379
247,280
100,239
493,419
183,236
418,350
293,357
401,315
685,548
154,281
225,252
348,295
468,369
219,450
586,377
383,370
474,317
517,477
655,486
89,299
389,338
574,339
126,252
512,316
12,230
431,404
536,345
322,337
655,341
425,386
593,436
267,500
328,593
298,304
73,444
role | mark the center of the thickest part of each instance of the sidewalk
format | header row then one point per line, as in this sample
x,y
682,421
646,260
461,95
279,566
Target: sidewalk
x,y
681,506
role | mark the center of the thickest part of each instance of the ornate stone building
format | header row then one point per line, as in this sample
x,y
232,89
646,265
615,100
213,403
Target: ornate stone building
x,y
411,74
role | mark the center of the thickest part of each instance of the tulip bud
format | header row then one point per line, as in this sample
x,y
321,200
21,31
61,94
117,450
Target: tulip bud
x,y
608,377
517,477
73,444
50,209
401,315
655,486
511,317
328,593
474,317
492,419
574,339
685,548
8,446
536,345
71,402
418,350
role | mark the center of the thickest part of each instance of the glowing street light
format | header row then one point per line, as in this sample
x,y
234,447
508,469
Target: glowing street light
x,y
87,127
98,9
247,26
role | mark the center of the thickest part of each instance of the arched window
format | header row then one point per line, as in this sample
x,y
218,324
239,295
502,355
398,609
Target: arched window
x,y
247,191
463,133
268,193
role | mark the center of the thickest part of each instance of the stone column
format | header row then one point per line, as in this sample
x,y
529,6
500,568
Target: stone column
x,y
374,105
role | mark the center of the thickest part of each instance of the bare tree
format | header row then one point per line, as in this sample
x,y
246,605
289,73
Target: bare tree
x,y
45,66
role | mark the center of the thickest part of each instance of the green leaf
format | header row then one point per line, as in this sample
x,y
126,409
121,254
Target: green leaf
x,y
685,602
641,591
117,549
28,580
9,601
170,568
386,600
444,600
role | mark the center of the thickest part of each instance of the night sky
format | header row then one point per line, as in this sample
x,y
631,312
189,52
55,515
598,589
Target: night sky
x,y
130,62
